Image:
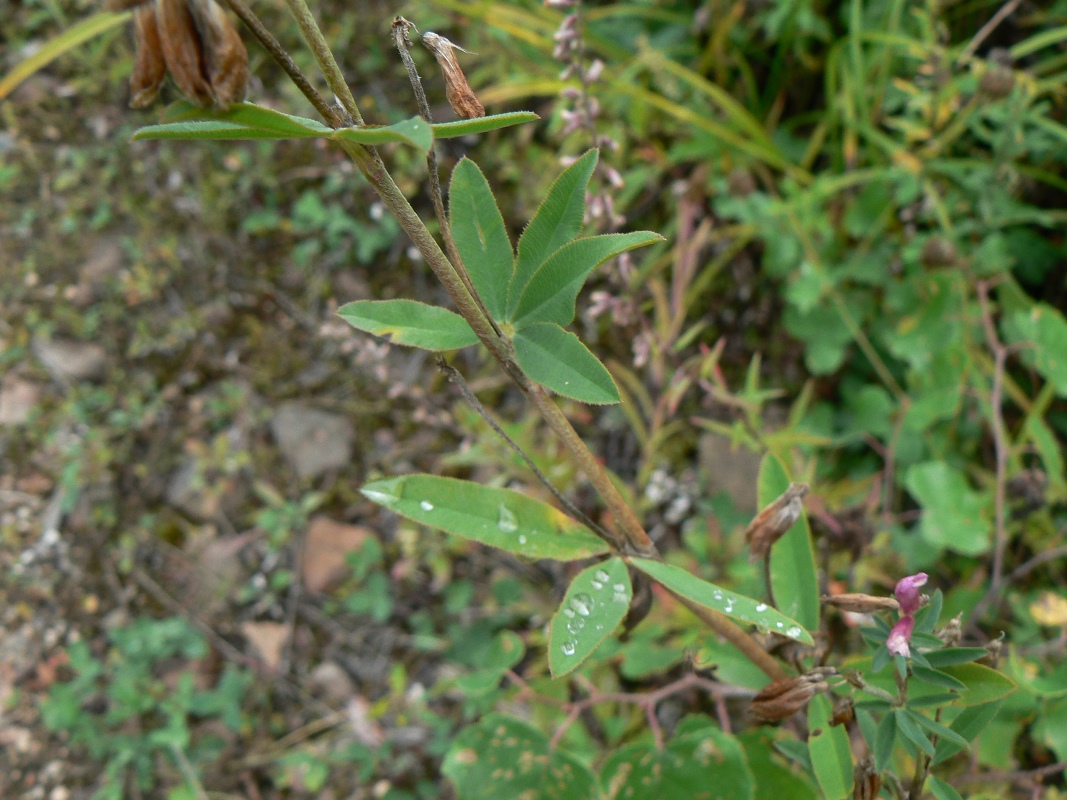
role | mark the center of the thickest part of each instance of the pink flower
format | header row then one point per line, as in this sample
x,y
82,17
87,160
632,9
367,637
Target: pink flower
x,y
907,592
900,636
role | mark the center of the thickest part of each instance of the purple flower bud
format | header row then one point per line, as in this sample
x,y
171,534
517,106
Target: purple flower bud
x,y
900,635
907,592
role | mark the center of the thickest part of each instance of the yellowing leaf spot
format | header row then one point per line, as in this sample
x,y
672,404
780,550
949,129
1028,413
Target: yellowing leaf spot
x,y
468,755
1050,609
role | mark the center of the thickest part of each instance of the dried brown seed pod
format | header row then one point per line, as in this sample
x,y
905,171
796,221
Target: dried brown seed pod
x,y
772,522
195,41
861,603
182,50
149,68
783,698
224,57
459,93
866,780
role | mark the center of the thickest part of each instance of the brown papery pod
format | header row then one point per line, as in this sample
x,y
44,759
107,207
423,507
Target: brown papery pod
x,y
182,50
866,780
224,57
459,93
149,68
861,603
781,699
771,523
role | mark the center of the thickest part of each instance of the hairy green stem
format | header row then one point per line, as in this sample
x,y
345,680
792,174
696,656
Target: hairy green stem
x,y
324,57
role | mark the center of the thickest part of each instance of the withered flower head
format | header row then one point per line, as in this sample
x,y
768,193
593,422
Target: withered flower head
x,y
866,780
459,93
195,42
783,698
861,603
771,523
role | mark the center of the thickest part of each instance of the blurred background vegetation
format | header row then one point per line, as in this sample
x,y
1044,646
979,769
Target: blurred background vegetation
x,y
864,273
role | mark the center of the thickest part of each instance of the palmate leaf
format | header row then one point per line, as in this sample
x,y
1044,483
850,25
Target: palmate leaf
x,y
497,517
700,762
502,757
558,360
736,606
596,601
557,221
480,236
410,323
550,294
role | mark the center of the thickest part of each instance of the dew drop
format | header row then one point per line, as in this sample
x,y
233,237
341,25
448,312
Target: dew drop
x,y
793,632
619,587
596,585
506,520
582,603
620,597
568,613
426,505
779,624
522,539
601,576
717,594
567,648
575,626
761,607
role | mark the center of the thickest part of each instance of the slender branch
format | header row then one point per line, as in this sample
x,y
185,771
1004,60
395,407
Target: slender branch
x,y
1000,444
1013,777
1002,14
284,60
889,477
1036,561
468,395
324,57
401,27
735,635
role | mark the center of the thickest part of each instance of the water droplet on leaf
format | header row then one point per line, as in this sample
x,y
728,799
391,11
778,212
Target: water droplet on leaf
x,y
582,603
426,505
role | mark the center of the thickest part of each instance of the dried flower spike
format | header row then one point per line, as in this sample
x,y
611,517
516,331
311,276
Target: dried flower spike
x,y
195,41
459,93
772,522
783,698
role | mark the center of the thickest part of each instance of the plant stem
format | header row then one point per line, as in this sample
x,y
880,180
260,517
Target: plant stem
x,y
400,39
735,635
324,57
